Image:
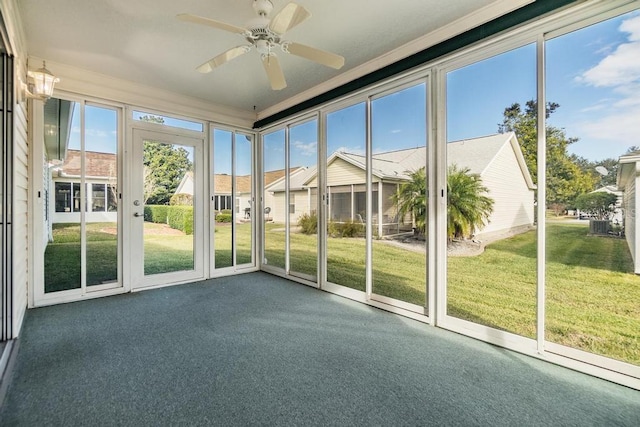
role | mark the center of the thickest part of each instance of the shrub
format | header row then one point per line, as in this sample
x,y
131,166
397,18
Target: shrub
x,y
597,204
346,229
181,218
181,199
156,213
223,217
308,223
226,211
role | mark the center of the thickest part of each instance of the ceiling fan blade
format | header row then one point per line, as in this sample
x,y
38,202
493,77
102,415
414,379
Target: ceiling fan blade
x,y
320,56
274,72
225,57
211,23
290,16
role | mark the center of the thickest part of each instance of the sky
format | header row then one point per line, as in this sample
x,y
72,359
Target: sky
x,y
592,73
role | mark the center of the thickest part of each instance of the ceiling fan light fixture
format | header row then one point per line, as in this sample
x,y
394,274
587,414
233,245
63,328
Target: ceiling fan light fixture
x,y
263,47
262,7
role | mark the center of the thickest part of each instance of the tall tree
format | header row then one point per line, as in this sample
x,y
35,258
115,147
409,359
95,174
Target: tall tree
x,y
565,179
164,167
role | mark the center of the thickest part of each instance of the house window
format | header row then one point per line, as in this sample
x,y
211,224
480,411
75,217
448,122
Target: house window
x,y
237,205
63,197
292,208
112,198
76,198
98,198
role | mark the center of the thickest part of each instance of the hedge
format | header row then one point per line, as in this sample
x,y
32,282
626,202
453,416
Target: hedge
x,y
223,217
178,217
181,218
156,213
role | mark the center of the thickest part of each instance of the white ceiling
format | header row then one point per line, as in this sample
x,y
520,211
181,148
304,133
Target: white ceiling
x,y
143,42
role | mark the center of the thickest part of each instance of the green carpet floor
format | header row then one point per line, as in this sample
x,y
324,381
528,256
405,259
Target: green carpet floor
x,y
259,350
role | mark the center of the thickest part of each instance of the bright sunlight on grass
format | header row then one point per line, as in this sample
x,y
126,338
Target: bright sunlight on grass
x,y
592,294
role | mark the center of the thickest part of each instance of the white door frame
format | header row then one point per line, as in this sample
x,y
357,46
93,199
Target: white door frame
x,y
136,277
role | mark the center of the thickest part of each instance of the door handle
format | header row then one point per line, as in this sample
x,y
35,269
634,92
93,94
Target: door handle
x,y
137,214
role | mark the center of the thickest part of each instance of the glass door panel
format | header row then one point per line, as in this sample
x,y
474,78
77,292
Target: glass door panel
x,y
491,192
399,192
592,267
244,199
81,194
224,205
346,207
302,206
275,211
101,171
63,222
168,240
166,209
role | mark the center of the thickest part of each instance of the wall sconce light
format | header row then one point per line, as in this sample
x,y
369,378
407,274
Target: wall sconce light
x,y
40,83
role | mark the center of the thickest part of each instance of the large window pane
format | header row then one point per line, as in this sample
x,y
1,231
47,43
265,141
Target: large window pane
x,y
275,204
303,211
62,256
101,173
592,287
168,233
399,181
347,210
244,198
222,189
491,157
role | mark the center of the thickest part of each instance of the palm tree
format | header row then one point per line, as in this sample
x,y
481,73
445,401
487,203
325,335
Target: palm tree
x,y
412,198
468,208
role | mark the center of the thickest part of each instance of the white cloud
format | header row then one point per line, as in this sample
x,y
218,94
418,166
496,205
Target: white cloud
x,y
622,65
396,131
308,149
622,127
616,120
95,133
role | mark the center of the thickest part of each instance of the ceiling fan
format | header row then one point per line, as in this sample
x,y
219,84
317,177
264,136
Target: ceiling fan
x,y
266,36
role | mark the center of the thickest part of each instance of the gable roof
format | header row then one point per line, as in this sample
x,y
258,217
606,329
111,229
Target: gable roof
x,y
477,154
97,165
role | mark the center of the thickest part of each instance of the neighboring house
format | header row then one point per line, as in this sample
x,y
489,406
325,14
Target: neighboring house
x,y
497,159
628,182
222,186
100,188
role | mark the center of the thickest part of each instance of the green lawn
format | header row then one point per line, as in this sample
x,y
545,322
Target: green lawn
x,y
62,257
593,297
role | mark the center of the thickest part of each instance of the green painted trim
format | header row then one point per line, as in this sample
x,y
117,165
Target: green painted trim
x,y
512,19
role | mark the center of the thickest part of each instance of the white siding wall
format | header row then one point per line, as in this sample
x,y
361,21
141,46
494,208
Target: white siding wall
x,y
340,172
630,202
20,172
20,219
513,200
279,208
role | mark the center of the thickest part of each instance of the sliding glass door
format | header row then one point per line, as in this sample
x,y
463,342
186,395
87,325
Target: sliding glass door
x,y
399,197
81,181
290,200
232,200
491,196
